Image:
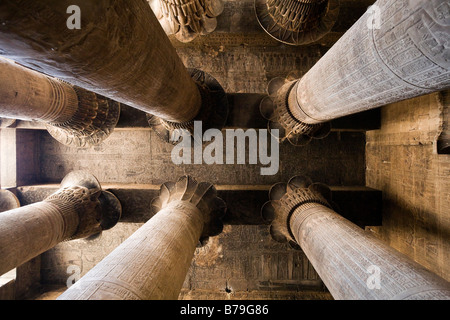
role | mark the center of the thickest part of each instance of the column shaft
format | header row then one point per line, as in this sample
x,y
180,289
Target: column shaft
x,y
29,95
151,264
77,210
349,260
73,116
396,51
28,231
120,52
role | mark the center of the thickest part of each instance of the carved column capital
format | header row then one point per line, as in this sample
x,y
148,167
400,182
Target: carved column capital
x,y
285,198
202,195
213,111
297,22
187,19
72,115
93,121
275,108
97,210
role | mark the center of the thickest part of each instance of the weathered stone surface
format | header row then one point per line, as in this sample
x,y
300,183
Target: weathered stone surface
x,y
73,116
235,28
384,66
149,77
360,205
152,263
297,22
352,263
244,59
398,53
147,160
241,258
8,200
357,264
77,209
187,19
402,162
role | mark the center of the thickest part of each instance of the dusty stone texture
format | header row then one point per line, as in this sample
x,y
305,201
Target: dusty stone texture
x,y
72,115
151,264
253,295
84,254
28,278
361,205
247,69
187,19
53,100
26,283
140,157
297,22
355,265
237,25
243,260
79,208
405,57
98,57
28,157
443,143
403,163
243,58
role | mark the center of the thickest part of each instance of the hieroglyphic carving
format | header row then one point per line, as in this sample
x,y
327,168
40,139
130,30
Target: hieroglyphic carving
x,y
369,67
153,262
301,213
78,209
187,19
103,62
350,252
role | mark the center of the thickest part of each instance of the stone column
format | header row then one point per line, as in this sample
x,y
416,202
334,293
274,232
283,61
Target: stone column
x,y
153,262
297,22
352,263
8,200
187,19
78,209
397,50
72,115
120,52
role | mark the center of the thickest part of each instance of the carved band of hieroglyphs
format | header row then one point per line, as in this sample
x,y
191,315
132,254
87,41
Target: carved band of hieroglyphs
x,y
63,102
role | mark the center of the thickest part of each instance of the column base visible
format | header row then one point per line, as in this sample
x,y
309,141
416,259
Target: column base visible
x,y
297,36
94,120
213,112
275,109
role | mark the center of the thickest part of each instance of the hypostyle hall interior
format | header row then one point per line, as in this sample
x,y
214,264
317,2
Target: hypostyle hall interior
x,y
224,150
